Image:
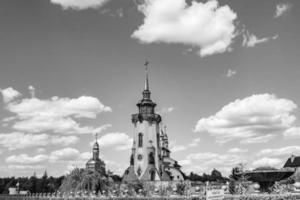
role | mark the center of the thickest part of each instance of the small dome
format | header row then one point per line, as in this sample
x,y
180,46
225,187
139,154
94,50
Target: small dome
x,y
91,161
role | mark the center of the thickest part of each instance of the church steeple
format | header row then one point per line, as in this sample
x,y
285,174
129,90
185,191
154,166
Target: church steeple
x,y
150,159
146,105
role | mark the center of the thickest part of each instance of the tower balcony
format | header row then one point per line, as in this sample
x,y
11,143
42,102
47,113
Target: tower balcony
x,y
140,117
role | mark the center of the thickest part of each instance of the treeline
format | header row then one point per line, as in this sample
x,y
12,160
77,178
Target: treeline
x,y
83,179
32,184
215,176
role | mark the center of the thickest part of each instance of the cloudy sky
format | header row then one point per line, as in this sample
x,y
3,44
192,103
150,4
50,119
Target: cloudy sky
x,y
225,75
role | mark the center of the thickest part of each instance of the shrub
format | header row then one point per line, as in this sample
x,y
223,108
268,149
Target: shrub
x,y
231,187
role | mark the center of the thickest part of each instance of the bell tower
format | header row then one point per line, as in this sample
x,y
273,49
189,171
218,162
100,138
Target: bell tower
x,y
150,157
146,151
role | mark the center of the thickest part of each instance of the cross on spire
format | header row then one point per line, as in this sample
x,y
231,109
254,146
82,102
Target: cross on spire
x,y
96,137
146,76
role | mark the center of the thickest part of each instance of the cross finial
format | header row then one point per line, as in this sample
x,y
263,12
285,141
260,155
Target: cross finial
x,y
147,71
146,64
96,137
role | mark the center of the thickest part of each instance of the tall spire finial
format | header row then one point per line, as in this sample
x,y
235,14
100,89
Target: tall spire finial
x,y
96,137
146,76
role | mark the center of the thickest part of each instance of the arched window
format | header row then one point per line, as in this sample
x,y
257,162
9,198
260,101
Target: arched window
x,y
140,144
151,158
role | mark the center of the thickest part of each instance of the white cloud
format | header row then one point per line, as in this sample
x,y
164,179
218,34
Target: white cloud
x,y
80,161
174,147
41,150
66,154
208,161
26,167
118,13
253,119
17,140
26,160
292,133
259,139
177,148
79,4
284,151
281,9
237,150
9,94
120,141
250,40
263,162
64,140
56,114
167,110
207,26
85,156
31,91
195,142
230,73
8,119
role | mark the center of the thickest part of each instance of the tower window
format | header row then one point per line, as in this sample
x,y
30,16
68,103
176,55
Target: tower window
x,y
152,175
140,143
151,158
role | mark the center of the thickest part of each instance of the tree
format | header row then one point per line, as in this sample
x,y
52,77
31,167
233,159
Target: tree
x,y
216,175
73,180
83,179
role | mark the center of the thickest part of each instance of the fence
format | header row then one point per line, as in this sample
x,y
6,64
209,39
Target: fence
x,y
290,196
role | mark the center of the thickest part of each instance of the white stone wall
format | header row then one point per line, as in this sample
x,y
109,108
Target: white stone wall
x,y
149,133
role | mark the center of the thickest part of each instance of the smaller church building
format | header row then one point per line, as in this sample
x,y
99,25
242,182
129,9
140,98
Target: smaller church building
x,y
150,158
95,163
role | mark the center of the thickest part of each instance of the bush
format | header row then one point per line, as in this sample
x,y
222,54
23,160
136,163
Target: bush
x,y
231,186
180,188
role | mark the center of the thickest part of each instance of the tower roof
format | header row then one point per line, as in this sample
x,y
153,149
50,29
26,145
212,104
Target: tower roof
x,y
293,161
146,92
146,105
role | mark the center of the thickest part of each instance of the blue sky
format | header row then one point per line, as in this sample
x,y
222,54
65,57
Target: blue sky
x,y
224,74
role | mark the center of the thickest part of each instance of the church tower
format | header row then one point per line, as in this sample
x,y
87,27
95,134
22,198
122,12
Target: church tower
x,y
146,128
149,143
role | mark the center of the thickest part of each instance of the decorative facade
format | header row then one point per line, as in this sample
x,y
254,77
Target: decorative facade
x,y
150,158
95,163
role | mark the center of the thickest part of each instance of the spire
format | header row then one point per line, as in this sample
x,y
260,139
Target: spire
x,y
146,92
146,76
